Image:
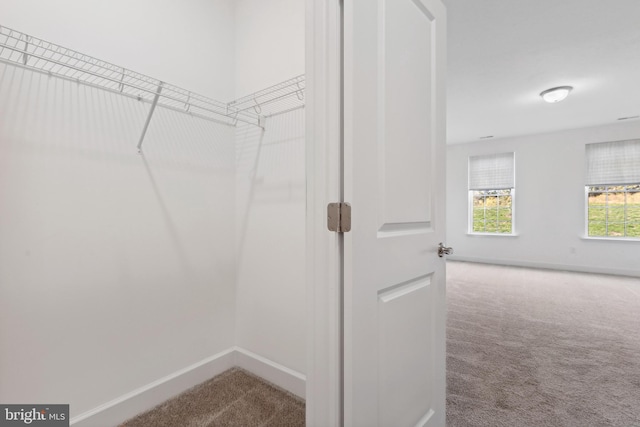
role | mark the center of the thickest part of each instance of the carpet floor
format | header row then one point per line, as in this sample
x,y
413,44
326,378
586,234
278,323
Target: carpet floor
x,y
541,348
234,398
525,348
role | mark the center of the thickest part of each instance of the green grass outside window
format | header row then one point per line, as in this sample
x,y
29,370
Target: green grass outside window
x,y
614,211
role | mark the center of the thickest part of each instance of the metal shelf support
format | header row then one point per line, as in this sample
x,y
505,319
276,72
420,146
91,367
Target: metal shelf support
x,y
151,110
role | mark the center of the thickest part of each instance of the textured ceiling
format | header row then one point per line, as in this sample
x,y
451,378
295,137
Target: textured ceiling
x,y
503,53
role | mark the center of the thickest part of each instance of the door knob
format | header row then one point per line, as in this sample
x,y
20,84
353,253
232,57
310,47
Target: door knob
x,y
443,250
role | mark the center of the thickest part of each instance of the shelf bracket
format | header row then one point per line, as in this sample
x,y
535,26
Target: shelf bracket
x,y
257,108
300,92
122,80
146,124
25,55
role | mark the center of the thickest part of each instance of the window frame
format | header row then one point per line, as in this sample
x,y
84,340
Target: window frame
x,y
624,237
611,164
470,230
486,173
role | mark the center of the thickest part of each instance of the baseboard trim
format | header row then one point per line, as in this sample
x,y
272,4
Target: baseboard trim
x,y
547,266
280,375
146,397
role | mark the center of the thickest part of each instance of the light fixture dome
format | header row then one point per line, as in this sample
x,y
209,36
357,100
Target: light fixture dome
x,y
556,94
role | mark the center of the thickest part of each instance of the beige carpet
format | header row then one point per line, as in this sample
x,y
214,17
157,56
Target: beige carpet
x,y
234,398
530,348
541,348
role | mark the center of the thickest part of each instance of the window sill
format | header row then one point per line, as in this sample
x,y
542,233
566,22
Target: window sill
x,y
493,234
611,239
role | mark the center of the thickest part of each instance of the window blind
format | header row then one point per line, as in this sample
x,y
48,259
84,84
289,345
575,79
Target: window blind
x,y
492,172
613,163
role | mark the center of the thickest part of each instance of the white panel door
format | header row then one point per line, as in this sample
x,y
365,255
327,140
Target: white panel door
x,y
394,136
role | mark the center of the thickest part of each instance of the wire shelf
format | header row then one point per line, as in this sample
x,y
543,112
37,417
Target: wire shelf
x,y
280,98
34,53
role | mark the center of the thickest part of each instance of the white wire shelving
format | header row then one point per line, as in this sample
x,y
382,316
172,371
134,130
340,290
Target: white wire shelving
x,y
33,53
277,99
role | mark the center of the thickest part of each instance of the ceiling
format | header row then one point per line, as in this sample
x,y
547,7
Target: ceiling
x,y
503,53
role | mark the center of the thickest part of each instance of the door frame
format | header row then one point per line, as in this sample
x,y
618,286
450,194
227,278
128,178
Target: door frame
x,y
323,136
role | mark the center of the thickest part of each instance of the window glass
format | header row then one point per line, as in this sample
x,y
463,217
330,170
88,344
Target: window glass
x,y
492,211
613,211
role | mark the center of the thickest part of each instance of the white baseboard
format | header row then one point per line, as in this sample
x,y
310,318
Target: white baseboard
x,y
129,405
547,266
137,401
290,380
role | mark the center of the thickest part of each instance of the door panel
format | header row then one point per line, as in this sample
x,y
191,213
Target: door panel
x,y
394,281
404,327
404,113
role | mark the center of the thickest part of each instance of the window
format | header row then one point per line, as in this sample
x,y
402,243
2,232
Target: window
x,y
614,210
491,193
492,211
613,189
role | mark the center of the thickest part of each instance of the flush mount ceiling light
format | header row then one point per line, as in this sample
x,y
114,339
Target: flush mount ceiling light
x,y
556,94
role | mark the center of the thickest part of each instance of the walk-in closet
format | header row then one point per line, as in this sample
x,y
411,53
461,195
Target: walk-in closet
x,y
152,199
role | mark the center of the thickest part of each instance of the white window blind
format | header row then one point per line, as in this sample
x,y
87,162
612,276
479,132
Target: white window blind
x,y
613,163
492,172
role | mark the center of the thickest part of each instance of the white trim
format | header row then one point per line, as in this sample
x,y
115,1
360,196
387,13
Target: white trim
x,y
586,210
290,380
547,266
493,234
425,419
146,397
323,169
613,239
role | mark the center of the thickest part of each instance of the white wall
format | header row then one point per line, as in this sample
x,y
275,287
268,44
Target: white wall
x,y
549,204
271,296
188,43
270,41
115,269
271,246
